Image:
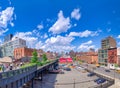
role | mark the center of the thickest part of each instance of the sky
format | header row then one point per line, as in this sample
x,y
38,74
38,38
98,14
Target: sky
x,y
61,25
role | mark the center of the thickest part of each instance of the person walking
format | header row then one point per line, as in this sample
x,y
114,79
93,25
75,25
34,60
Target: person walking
x,y
11,66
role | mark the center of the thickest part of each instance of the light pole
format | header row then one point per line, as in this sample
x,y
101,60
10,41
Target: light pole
x,y
74,84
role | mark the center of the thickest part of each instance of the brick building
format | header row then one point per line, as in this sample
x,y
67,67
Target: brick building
x,y
88,57
22,52
112,55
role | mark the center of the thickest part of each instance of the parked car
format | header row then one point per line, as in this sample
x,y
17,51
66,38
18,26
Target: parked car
x,y
91,74
101,81
107,70
67,69
97,79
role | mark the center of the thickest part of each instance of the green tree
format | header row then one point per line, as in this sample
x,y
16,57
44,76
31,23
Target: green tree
x,y
34,58
44,57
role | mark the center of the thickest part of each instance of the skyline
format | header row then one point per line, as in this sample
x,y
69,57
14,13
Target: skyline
x,y
59,25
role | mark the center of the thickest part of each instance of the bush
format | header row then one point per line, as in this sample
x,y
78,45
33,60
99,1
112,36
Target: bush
x,y
39,63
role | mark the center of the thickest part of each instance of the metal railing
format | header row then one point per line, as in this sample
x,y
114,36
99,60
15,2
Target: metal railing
x,y
12,73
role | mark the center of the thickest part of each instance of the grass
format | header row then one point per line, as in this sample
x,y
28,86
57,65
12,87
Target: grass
x,y
28,65
37,63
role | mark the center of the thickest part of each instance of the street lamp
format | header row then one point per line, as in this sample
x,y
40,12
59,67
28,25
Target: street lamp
x,y
74,84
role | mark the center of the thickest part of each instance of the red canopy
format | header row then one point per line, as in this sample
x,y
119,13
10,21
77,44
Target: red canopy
x,y
65,60
69,60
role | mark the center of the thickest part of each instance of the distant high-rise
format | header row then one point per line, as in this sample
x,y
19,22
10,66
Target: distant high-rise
x,y
8,37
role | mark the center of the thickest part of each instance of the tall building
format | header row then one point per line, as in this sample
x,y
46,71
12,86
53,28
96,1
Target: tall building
x,y
8,37
106,44
7,48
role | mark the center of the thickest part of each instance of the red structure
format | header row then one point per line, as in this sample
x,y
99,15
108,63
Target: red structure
x,y
22,52
112,55
65,60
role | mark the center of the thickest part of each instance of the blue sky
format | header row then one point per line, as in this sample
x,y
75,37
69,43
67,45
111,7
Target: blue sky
x,y
61,25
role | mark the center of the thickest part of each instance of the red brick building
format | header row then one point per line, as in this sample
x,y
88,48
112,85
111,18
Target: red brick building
x,y
88,57
112,55
22,52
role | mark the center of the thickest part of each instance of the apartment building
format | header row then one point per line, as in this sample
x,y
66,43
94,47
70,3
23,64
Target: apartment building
x,y
107,43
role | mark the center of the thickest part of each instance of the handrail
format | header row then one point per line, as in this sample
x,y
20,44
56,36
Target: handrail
x,y
12,73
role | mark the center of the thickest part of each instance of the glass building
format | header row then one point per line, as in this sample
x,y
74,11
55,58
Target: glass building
x,y
7,48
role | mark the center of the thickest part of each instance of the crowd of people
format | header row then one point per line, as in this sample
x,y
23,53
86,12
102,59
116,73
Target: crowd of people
x,y
12,66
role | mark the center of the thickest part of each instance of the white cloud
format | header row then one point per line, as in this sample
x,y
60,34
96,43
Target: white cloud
x,y
39,45
58,43
61,25
30,39
40,26
6,17
3,31
45,36
76,14
118,36
86,46
59,40
85,33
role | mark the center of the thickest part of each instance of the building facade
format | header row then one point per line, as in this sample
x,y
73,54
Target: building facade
x,y
7,48
88,57
112,55
106,44
103,56
22,52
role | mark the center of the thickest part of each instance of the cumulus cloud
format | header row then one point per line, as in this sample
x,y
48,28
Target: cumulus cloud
x,y
61,25
85,33
86,45
45,36
58,43
6,17
40,26
118,36
39,45
2,31
76,14
59,40
30,39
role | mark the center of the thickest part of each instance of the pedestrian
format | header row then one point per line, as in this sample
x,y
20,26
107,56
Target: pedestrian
x,y
3,68
11,66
